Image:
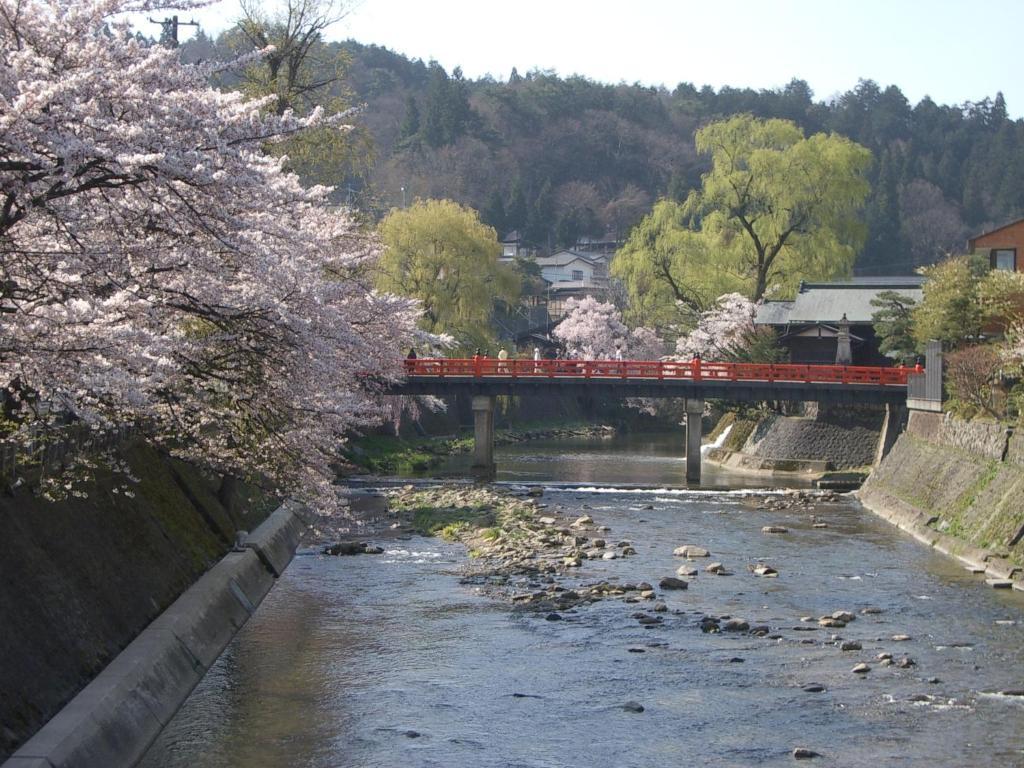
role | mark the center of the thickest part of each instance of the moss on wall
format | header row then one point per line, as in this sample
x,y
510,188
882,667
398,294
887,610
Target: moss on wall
x,y
83,576
971,496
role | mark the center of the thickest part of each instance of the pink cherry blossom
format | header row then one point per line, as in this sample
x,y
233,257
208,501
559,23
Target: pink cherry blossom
x,y
158,268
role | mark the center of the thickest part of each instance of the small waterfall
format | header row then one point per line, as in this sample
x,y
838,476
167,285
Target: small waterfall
x,y
719,441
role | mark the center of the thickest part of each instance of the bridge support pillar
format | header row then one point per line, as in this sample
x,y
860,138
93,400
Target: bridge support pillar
x,y
694,415
483,437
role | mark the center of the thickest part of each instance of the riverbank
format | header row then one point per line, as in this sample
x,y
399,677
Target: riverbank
x,y
83,576
392,455
824,441
958,487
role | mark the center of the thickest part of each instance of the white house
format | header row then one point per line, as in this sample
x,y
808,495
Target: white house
x,y
581,270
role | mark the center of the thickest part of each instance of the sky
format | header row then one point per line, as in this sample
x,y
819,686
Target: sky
x,y
951,50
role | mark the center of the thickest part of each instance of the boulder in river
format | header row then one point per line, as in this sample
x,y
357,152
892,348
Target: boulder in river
x,y
671,582
346,548
803,753
633,706
861,669
775,529
579,522
686,570
735,625
844,616
717,569
764,570
689,550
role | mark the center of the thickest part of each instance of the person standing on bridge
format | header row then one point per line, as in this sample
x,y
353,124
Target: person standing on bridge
x,y
502,356
536,359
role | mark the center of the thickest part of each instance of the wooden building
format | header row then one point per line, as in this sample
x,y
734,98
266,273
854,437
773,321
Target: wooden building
x,y
813,325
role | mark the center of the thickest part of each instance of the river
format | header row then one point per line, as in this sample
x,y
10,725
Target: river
x,y
390,661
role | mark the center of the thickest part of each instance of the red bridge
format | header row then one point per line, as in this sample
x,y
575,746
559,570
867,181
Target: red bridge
x,y
483,378
654,370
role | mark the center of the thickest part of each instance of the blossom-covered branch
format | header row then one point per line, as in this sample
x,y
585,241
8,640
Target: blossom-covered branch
x,y
157,267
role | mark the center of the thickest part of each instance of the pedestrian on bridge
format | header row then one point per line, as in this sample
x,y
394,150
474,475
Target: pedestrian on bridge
x,y
502,356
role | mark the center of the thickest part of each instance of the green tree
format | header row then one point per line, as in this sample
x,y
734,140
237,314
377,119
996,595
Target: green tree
x,y
440,253
516,212
780,208
302,72
669,273
411,122
893,322
950,311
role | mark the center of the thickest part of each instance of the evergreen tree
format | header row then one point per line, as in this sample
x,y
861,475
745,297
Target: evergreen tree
x,y
541,217
411,122
494,214
516,212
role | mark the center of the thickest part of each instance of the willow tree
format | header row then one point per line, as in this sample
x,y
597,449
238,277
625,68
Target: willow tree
x,y
440,252
777,208
670,273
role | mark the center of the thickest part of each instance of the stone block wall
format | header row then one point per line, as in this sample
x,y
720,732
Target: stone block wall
x,y
962,482
845,437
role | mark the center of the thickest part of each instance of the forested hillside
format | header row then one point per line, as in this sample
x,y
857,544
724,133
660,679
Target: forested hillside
x,y
557,158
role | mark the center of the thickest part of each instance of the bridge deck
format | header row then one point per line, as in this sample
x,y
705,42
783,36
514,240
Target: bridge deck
x,y
655,378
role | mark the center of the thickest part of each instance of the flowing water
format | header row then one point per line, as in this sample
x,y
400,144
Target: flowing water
x,y
391,661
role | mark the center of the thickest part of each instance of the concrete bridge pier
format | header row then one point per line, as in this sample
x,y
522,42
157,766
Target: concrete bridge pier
x,y
694,416
483,437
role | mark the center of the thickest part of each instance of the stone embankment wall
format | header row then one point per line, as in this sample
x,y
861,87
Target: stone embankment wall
x,y
837,437
80,578
959,487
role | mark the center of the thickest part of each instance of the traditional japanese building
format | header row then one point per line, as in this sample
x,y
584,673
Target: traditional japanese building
x,y
831,323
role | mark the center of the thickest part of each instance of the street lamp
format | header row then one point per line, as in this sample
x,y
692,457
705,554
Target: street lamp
x,y
403,197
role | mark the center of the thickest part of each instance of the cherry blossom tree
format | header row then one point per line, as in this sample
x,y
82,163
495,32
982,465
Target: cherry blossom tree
x,y
726,332
593,330
157,267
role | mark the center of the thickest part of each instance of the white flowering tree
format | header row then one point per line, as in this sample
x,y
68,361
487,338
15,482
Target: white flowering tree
x,y
591,329
158,268
726,332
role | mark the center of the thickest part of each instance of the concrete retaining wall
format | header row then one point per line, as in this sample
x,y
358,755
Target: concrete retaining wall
x,y
957,487
118,715
835,437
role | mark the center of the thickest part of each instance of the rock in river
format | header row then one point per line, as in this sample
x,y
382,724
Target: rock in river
x,y
671,582
802,753
688,550
633,706
775,529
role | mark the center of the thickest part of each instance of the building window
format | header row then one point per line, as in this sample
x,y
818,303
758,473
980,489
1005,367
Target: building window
x,y
577,274
1004,258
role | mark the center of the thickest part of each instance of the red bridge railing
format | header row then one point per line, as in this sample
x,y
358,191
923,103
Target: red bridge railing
x,y
489,367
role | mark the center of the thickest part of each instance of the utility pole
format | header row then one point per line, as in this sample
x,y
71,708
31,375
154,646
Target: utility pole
x,y
169,30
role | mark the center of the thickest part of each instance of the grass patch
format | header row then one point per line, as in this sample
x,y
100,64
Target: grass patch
x,y
450,523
